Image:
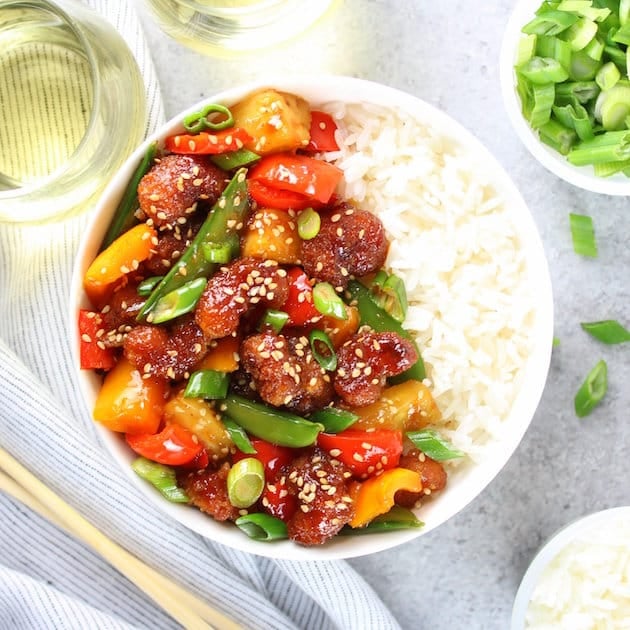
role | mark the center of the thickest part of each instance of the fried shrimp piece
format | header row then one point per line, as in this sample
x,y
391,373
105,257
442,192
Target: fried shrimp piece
x,y
325,504
285,373
432,473
350,242
366,360
207,490
234,289
166,353
169,192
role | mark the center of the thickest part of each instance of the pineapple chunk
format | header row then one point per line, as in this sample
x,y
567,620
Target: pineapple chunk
x,y
408,406
272,234
198,416
277,121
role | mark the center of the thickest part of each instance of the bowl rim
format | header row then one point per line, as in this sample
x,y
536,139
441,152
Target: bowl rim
x,y
318,90
560,539
580,176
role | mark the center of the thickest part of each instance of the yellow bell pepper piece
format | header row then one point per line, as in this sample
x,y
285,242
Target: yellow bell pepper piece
x,y
120,258
129,403
376,495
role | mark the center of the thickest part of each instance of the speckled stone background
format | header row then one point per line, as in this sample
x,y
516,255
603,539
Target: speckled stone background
x,y
465,574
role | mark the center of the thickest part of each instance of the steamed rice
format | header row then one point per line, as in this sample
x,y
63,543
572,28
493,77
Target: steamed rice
x,y
587,585
455,246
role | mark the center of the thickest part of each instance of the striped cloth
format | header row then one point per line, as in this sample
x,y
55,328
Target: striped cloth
x,y
49,580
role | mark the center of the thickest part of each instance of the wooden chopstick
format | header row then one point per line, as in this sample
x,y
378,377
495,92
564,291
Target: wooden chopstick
x,y
180,604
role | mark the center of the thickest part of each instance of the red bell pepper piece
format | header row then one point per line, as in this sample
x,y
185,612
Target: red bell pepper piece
x,y
299,304
274,501
205,143
364,453
301,174
323,129
93,356
268,197
272,456
173,446
199,462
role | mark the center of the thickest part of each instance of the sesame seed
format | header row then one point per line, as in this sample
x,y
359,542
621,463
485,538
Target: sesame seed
x,y
335,452
357,457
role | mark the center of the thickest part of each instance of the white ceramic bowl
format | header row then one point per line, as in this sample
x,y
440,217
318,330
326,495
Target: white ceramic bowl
x,y
468,481
581,176
596,523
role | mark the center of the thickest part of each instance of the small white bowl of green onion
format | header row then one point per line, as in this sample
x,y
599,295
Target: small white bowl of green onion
x,y
565,81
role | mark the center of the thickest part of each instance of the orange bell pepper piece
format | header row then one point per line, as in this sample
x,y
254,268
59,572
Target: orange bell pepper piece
x,y
222,357
120,258
129,403
376,495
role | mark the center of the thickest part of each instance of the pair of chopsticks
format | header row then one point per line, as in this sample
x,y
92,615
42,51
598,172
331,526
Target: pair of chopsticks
x,y
17,482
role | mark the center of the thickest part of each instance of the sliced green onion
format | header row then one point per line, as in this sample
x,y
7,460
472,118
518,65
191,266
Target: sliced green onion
x,y
526,49
260,526
220,253
178,302
275,319
543,70
606,169
580,34
585,9
554,48
622,36
624,12
308,224
327,301
595,49
543,97
208,384
161,477
234,159
335,420
239,436
607,76
199,120
147,285
574,116
583,91
583,235
556,342
612,146
245,482
397,518
616,55
389,292
614,107
608,331
582,66
592,390
432,444
550,23
558,136
328,358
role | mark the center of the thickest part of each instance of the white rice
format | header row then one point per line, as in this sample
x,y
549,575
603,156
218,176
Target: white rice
x,y
587,585
455,245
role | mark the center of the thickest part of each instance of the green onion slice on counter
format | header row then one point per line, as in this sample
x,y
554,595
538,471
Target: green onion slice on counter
x,y
608,331
583,235
592,390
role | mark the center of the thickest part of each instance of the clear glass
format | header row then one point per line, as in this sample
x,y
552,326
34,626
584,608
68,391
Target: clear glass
x,y
220,27
72,107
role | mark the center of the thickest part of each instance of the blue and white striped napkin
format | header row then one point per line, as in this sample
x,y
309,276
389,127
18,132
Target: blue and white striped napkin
x,y
48,579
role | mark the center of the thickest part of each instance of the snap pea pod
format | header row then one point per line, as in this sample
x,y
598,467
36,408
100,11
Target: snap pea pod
x,y
397,518
380,320
227,214
275,426
335,420
124,216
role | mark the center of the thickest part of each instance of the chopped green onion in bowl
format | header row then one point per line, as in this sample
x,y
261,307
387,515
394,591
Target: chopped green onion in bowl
x,y
564,76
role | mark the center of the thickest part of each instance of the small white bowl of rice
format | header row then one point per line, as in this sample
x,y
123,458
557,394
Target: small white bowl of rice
x,y
580,579
463,240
